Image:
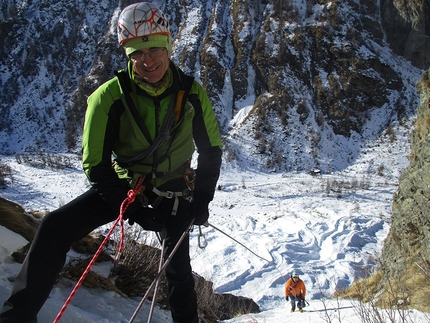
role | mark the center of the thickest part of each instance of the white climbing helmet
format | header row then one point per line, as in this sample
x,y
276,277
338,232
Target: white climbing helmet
x,y
141,19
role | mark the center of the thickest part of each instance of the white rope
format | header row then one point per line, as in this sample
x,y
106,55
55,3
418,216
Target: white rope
x,y
218,229
160,272
154,297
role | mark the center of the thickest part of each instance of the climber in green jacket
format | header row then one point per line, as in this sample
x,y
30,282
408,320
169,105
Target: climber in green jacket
x,y
142,126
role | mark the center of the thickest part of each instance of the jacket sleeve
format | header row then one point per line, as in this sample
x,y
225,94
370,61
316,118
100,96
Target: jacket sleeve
x,y
287,287
101,128
208,142
303,290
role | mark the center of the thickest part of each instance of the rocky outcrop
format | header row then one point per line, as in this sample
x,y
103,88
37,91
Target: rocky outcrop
x,y
131,276
316,73
15,218
407,246
407,29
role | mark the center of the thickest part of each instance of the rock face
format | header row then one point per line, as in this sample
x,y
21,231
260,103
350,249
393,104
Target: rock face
x,y
307,73
408,242
407,27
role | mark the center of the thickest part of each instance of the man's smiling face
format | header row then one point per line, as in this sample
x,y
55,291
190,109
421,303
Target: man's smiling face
x,y
151,64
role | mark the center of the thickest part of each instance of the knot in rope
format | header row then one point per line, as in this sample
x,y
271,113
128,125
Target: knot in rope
x,y
131,196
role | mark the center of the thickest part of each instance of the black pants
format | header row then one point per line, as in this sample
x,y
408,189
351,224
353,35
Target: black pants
x,y
73,221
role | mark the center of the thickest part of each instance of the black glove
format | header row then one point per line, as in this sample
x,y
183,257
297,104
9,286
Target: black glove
x,y
286,298
147,219
199,210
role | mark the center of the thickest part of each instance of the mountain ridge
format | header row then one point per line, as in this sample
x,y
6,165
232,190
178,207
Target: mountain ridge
x,y
306,72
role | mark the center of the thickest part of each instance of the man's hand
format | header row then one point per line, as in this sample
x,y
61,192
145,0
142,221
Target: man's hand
x,y
199,210
147,219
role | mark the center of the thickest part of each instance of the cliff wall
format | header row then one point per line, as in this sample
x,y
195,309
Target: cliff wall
x,y
406,251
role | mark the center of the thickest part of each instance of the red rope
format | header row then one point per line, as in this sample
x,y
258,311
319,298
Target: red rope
x,y
131,195
253,320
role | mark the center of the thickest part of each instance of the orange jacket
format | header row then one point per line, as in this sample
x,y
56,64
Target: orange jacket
x,y
295,289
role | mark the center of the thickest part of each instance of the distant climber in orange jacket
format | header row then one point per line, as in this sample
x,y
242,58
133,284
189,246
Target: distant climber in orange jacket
x,y
295,291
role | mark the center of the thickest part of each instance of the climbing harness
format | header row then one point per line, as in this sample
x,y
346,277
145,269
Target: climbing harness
x,y
160,271
185,194
124,205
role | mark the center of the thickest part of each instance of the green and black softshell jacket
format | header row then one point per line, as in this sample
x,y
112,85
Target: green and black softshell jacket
x,y
110,130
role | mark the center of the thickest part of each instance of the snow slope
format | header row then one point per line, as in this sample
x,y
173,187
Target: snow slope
x,y
288,221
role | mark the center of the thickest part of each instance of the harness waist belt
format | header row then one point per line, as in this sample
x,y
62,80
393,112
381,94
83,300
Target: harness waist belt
x,y
169,194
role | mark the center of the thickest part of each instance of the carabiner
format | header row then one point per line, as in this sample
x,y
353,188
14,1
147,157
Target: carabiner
x,y
202,240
